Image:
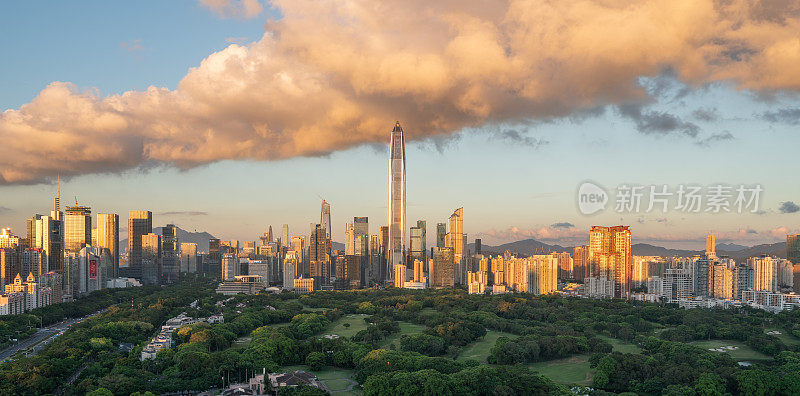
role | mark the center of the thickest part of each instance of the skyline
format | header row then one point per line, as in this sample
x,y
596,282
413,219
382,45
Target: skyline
x,y
515,175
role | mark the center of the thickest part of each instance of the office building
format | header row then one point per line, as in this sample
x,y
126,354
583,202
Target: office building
x,y
285,236
386,273
290,269
397,197
320,254
212,262
230,266
711,246
77,227
188,261
151,259
441,234
325,218
140,223
170,249
108,236
455,241
418,249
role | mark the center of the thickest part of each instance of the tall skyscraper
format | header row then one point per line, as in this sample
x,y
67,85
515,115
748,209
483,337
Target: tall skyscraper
x,y
151,258
140,222
188,261
711,246
320,254
610,253
455,241
285,241
441,234
108,236
170,249
421,249
78,227
417,244
397,197
325,218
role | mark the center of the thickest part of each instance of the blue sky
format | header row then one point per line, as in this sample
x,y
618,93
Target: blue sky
x,y
522,174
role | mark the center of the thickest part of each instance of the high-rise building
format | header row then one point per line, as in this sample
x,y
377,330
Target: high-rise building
x,y
397,197
325,218
285,235
417,244
386,273
610,253
212,263
565,265
478,247
580,262
170,249
765,273
441,234
543,274
442,268
400,271
151,259
9,265
455,241
230,266
290,269
711,246
793,255
188,262
298,246
140,223
78,227
361,225
108,236
320,254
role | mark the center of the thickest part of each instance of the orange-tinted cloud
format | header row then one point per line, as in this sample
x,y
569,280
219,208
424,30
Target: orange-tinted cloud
x,y
233,8
331,75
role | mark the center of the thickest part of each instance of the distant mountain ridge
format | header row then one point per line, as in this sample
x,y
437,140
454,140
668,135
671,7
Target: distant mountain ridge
x,y
529,247
200,238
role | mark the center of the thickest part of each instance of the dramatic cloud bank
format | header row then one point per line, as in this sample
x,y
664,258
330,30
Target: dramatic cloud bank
x,y
333,74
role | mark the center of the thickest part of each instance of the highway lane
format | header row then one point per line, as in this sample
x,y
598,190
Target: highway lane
x,y
42,337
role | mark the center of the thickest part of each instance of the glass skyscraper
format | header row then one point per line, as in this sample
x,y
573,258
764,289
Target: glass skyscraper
x,y
397,197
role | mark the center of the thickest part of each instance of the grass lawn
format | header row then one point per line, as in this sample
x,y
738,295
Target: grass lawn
x,y
571,370
405,328
355,321
744,352
784,336
621,346
336,379
479,350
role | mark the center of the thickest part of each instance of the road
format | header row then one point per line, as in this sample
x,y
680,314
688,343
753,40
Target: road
x,y
42,337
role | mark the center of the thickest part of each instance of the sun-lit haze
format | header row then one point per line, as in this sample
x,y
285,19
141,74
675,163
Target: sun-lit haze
x,y
228,116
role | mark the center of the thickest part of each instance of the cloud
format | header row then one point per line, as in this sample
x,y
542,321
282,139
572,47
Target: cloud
x,y
515,137
707,114
786,116
656,122
717,137
183,213
789,207
132,45
4,209
245,9
562,225
335,74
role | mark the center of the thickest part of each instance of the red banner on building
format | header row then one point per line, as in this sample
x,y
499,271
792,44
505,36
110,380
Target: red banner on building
x,y
92,269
